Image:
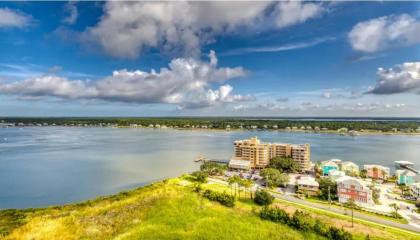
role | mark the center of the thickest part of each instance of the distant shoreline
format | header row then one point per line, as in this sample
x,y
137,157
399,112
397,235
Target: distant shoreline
x,y
358,133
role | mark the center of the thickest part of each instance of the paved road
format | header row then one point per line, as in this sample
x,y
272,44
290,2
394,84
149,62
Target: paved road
x,y
357,215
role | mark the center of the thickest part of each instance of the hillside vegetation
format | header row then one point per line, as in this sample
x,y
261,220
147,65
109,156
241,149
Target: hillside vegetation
x,y
165,210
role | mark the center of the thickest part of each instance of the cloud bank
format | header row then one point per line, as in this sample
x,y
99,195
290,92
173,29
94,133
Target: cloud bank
x,y
127,28
385,32
402,78
186,82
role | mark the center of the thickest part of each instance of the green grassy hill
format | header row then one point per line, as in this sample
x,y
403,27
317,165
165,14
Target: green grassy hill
x,y
164,210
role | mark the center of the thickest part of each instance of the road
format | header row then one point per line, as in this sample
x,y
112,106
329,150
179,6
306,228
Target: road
x,y
357,215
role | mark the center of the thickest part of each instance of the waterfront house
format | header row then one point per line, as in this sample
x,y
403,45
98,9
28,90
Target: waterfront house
x,y
415,190
405,177
350,167
377,171
353,188
329,165
307,185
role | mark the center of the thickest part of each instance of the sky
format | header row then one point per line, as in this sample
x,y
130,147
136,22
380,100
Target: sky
x,y
323,59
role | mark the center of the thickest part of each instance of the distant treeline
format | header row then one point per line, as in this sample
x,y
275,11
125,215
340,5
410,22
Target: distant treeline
x,y
222,123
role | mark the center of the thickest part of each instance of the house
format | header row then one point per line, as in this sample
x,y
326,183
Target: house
x,y
327,166
307,185
353,188
377,171
405,177
336,174
350,167
415,190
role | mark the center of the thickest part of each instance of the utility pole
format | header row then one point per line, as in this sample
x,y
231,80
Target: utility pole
x,y
329,195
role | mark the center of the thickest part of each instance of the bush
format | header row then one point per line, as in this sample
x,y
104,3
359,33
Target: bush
x,y
418,203
275,215
303,222
338,234
212,168
264,198
222,198
200,176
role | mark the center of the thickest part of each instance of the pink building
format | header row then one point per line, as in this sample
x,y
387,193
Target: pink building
x,y
350,187
377,172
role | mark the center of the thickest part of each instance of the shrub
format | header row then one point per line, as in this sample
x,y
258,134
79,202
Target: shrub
x,y
264,198
275,215
320,228
338,234
222,198
212,168
418,203
301,221
200,176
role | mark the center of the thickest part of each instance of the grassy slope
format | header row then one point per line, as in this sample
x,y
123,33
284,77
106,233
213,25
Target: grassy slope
x,y
160,211
169,210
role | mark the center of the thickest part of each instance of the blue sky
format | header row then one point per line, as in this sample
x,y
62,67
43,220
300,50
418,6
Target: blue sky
x,y
210,59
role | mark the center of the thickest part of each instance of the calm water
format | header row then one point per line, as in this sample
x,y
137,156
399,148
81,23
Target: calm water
x,y
56,165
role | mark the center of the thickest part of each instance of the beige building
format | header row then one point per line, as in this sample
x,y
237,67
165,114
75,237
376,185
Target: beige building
x,y
259,153
307,185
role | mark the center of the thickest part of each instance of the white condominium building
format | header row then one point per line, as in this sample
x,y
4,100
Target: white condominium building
x,y
259,153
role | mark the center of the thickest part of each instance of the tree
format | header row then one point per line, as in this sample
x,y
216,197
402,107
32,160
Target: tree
x,y
234,181
247,184
352,205
363,173
200,176
375,192
284,164
327,189
213,168
263,198
273,177
395,209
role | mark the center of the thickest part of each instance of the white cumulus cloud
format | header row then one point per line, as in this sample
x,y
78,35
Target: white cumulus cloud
x,y
128,28
186,82
402,78
384,32
13,19
293,12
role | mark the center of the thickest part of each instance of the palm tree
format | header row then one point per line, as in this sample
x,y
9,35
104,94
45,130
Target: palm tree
x,y
247,183
395,209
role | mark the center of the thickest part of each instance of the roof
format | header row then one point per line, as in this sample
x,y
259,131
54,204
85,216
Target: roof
x,y
348,178
375,165
336,173
240,162
329,163
349,163
405,172
310,181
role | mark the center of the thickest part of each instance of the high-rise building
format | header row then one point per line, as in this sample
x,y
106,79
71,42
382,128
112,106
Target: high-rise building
x,y
260,153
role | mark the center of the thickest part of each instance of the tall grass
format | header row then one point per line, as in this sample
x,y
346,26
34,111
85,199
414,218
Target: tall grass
x,y
160,211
